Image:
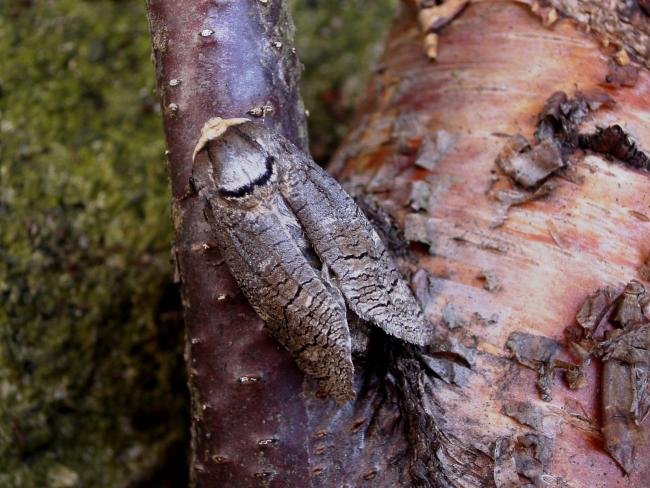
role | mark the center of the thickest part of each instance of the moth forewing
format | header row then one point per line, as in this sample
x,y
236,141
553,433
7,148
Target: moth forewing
x,y
345,240
260,242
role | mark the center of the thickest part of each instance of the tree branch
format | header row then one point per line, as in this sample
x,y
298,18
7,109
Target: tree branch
x,y
229,59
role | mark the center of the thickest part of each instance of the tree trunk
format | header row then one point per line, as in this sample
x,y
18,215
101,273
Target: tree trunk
x,y
424,147
500,254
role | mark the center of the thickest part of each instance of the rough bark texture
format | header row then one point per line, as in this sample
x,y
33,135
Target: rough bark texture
x,y
496,269
625,23
425,147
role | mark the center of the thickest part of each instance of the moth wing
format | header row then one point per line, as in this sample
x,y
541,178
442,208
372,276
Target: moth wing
x,y
288,293
345,241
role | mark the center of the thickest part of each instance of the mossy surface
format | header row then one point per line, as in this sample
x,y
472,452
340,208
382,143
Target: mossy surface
x,y
89,362
91,376
339,42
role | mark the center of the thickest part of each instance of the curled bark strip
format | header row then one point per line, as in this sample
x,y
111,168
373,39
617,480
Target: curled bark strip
x,y
562,115
527,165
613,142
435,15
537,353
624,350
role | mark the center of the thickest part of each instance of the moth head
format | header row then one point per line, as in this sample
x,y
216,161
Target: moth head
x,y
634,288
232,162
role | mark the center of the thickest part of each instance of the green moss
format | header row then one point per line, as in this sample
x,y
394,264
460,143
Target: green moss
x,y
86,359
91,387
338,41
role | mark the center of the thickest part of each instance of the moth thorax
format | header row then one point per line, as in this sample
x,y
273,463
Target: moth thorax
x,y
241,169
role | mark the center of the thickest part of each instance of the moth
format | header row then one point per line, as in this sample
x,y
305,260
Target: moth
x,y
301,250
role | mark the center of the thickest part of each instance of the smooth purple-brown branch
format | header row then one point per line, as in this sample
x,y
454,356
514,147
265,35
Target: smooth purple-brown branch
x,y
229,59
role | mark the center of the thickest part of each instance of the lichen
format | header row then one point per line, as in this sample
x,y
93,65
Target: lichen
x,y
91,389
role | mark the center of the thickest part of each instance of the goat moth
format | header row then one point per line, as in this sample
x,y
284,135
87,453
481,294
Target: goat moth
x,y
300,249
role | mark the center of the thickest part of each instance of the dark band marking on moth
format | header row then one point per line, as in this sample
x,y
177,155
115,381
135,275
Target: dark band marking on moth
x,y
248,188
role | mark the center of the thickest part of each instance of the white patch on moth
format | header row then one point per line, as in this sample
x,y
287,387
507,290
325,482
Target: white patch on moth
x,y
237,174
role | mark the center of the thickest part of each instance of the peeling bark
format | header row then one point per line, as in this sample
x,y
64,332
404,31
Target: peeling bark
x,y
420,158
617,332
496,70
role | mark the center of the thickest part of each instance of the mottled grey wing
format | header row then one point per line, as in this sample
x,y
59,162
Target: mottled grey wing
x,y
345,241
286,291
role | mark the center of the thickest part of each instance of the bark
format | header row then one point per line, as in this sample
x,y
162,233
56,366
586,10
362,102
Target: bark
x,y
501,268
228,59
425,148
